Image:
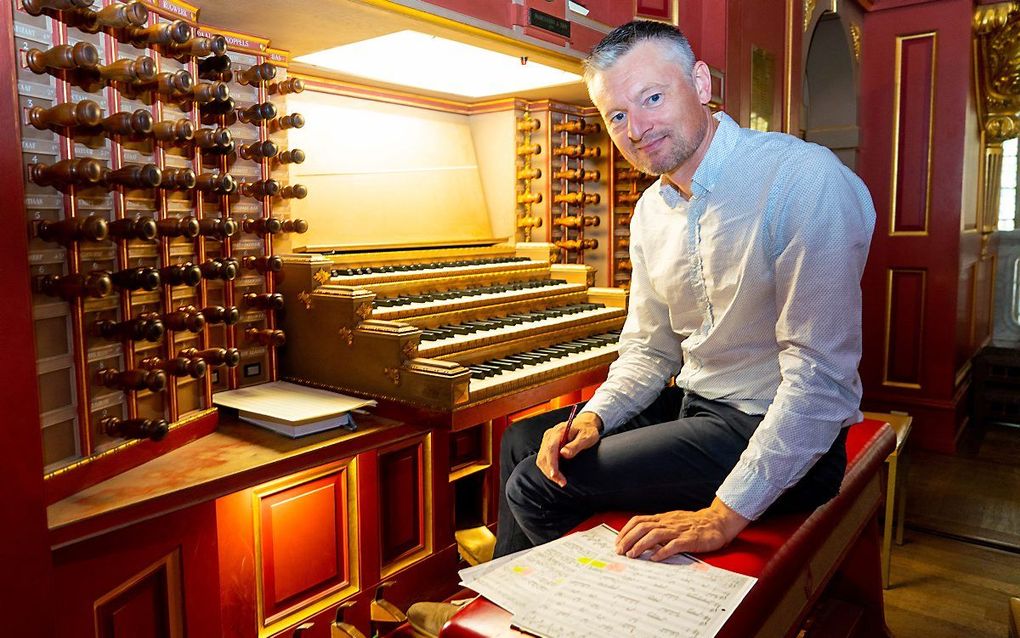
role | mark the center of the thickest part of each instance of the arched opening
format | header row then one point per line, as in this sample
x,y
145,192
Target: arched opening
x,y
830,94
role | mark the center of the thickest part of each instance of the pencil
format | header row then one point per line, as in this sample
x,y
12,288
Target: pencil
x,y
566,430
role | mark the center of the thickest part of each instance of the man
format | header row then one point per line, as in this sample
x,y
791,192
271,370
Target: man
x,y
747,259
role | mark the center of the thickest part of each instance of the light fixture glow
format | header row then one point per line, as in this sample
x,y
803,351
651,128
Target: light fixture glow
x,y
410,58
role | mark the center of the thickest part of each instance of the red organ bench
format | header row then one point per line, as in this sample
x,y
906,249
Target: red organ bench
x,y
835,550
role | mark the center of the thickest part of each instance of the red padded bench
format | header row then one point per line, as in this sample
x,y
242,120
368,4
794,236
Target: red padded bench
x,y
795,557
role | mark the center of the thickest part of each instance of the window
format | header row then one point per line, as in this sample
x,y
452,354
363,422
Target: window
x,y
1008,212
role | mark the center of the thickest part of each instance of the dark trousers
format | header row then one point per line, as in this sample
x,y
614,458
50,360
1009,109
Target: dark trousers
x,y
674,455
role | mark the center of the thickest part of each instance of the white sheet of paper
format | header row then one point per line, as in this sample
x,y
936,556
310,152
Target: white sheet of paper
x,y
289,402
577,586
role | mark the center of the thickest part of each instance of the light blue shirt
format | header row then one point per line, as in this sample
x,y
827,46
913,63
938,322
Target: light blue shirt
x,y
754,286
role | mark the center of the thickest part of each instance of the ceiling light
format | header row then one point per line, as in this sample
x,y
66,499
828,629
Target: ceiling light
x,y
414,59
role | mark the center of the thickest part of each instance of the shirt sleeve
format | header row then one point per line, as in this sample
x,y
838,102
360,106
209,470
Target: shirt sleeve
x,y
821,230
649,350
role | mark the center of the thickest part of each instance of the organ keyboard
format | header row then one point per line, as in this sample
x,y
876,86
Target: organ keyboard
x,y
447,329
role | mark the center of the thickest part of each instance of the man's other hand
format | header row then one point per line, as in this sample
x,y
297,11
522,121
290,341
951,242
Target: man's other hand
x,y
680,531
558,441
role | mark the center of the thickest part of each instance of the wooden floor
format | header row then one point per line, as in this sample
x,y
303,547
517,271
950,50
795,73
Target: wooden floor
x,y
944,588
960,561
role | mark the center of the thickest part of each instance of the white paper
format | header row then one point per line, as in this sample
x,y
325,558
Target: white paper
x,y
579,587
289,402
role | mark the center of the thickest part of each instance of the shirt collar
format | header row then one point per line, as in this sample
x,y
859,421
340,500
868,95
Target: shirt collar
x,y
708,172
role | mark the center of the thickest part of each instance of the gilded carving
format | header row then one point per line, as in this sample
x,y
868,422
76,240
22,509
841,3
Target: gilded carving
x,y
809,12
305,298
393,374
346,335
364,310
855,41
322,277
997,34
410,349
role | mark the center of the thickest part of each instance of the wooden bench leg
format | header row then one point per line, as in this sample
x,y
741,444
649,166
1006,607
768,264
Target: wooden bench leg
x,y
859,581
890,518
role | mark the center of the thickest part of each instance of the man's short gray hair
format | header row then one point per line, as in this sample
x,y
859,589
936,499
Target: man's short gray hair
x,y
623,38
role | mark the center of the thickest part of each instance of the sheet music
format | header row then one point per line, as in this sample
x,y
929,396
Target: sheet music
x,y
289,402
578,587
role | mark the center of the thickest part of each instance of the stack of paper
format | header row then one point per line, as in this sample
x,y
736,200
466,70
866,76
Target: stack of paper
x,y
290,409
579,587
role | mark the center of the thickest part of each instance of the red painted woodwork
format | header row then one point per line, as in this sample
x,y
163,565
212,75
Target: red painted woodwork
x,y
304,542
24,552
906,327
235,522
704,24
655,9
914,123
936,404
140,610
760,24
401,497
610,12
555,8
583,39
97,569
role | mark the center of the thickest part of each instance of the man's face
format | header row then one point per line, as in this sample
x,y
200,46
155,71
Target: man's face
x,y
651,108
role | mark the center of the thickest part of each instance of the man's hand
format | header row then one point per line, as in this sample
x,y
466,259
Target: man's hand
x,y
556,442
680,531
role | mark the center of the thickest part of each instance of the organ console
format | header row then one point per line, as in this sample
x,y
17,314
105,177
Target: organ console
x,y
63,56
67,115
629,174
529,198
628,198
145,327
132,380
448,334
142,227
215,68
154,429
528,125
187,274
570,150
74,286
204,92
65,231
285,87
294,226
258,190
529,149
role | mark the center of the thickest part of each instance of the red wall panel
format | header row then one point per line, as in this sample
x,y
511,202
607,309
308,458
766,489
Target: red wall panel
x,y
912,178
401,496
904,359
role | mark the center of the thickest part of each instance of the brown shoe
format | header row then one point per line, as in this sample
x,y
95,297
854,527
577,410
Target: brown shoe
x,y
427,619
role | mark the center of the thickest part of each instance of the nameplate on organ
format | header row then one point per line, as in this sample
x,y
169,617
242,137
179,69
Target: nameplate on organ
x,y
446,328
